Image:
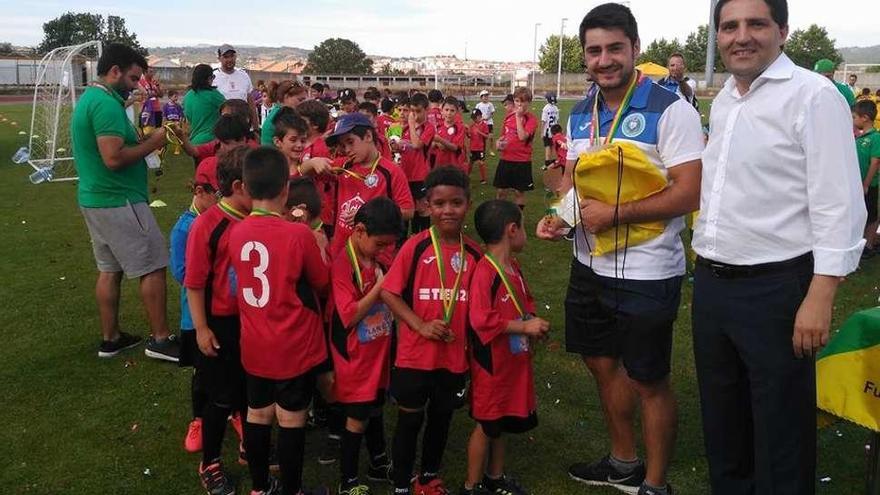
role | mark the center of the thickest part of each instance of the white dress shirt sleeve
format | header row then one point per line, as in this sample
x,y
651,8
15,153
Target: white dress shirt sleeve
x,y
680,135
834,189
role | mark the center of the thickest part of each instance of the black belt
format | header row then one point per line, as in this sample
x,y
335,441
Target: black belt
x,y
724,270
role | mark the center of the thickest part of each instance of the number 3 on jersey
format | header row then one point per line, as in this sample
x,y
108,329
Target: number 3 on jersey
x,y
259,273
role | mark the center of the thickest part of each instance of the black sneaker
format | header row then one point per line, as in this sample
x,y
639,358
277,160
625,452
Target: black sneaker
x,y
645,490
602,473
380,470
503,486
110,348
163,350
478,489
330,452
214,480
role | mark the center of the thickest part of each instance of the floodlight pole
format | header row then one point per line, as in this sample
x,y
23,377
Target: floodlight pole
x,y
559,64
710,46
535,56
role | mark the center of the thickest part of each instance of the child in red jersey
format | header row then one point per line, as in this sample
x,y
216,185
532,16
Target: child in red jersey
x,y
369,109
435,108
210,292
414,145
318,118
231,132
449,141
427,290
291,136
386,118
280,271
553,172
360,341
478,133
502,322
514,172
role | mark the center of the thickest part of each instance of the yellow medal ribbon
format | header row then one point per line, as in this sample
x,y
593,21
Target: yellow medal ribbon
x,y
262,212
352,258
192,208
507,285
344,170
449,301
229,210
596,129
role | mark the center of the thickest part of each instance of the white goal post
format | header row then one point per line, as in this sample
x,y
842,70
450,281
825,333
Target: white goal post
x,y
61,76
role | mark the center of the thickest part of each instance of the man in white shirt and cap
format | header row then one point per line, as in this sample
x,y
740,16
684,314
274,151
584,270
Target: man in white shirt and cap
x,y
781,219
234,83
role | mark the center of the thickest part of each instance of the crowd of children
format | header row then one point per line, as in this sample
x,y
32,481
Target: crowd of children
x,y
326,273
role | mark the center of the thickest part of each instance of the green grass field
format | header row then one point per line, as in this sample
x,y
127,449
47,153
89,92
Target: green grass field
x,y
76,424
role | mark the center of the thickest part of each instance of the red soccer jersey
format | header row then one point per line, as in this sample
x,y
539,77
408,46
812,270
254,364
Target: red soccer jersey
x,y
279,270
352,193
434,117
478,142
454,134
502,379
414,276
327,189
560,147
384,147
414,161
516,149
211,148
383,122
361,350
207,260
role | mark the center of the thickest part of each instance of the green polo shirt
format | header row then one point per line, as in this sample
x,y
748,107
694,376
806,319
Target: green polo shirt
x,y
846,92
100,112
202,110
868,147
267,132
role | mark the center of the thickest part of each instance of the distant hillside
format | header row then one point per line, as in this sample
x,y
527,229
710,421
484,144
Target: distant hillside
x,y
861,54
191,55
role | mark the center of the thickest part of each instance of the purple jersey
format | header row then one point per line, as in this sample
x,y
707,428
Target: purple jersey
x,y
173,112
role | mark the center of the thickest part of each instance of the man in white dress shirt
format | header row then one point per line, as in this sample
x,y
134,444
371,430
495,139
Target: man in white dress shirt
x,y
232,82
780,223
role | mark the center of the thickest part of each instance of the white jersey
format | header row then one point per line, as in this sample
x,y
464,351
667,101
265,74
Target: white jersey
x,y
487,109
235,86
549,117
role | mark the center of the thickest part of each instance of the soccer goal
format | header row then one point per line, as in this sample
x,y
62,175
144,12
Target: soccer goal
x,y
61,76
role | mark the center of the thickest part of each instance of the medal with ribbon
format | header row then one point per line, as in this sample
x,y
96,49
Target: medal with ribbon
x,y
262,212
370,180
595,128
520,308
450,298
229,210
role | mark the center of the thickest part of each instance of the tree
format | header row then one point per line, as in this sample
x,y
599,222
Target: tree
x,y
694,51
6,48
572,55
75,28
805,47
338,56
659,51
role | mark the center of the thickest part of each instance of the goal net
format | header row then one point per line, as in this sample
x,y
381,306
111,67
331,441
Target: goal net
x,y
61,76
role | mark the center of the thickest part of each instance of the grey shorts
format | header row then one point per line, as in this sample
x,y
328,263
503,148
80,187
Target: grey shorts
x,y
126,239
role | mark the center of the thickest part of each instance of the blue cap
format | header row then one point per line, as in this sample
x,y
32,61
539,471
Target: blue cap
x,y
346,124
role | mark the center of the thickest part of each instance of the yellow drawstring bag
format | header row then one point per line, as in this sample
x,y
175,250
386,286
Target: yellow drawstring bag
x,y
599,174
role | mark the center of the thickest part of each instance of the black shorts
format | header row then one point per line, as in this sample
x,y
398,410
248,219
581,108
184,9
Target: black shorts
x,y
514,175
189,349
412,389
548,142
478,156
627,319
292,394
417,189
363,411
508,424
223,375
871,203
491,127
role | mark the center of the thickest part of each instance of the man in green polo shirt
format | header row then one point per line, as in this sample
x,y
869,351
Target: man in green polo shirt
x,y
112,194
826,68
868,150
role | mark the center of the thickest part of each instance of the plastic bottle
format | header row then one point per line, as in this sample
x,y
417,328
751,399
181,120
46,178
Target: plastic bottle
x,y
21,156
42,175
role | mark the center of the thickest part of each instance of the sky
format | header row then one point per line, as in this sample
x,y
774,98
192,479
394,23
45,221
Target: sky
x,y
398,28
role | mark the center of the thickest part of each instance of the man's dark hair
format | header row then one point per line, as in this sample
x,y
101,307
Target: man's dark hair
x,y
610,16
119,55
451,100
674,55
380,216
202,77
265,172
369,106
419,100
303,191
778,11
229,167
492,218
448,175
287,119
435,96
315,112
865,108
387,105
231,127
